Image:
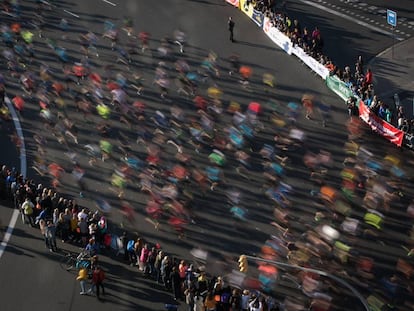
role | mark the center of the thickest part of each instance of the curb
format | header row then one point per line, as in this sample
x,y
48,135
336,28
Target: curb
x,y
387,50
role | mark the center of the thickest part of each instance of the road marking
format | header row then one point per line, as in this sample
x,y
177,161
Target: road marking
x,y
9,232
109,2
352,19
23,171
70,13
19,132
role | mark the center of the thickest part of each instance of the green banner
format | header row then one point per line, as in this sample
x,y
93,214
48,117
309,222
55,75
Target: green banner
x,y
339,87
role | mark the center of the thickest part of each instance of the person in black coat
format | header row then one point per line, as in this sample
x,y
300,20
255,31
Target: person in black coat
x,y
175,283
231,28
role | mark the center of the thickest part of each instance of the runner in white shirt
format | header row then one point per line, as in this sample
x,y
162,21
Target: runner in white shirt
x,y
82,215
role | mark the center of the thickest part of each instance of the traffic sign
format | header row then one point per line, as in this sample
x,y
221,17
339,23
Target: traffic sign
x,y
392,18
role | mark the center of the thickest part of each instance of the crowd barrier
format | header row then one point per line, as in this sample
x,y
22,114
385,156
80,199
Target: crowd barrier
x,y
383,128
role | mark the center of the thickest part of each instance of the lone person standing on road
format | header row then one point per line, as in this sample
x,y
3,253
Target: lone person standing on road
x,y
231,28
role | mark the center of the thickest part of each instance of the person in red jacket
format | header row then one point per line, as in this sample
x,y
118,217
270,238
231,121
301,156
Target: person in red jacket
x,y
98,276
368,77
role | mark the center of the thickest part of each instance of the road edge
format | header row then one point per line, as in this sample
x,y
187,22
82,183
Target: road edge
x,y
23,171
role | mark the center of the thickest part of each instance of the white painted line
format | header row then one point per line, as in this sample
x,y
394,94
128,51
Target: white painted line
x,y
347,17
23,171
19,132
109,2
70,13
9,231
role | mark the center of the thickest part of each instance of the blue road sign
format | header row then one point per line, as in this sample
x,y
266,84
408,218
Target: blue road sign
x,y
392,18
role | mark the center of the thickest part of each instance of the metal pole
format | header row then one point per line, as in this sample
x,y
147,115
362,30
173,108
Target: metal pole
x,y
393,41
320,272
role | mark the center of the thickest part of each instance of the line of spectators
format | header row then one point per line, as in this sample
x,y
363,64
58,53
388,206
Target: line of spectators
x,y
45,209
359,80
55,215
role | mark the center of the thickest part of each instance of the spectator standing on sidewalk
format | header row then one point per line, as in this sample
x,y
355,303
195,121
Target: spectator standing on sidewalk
x,y
27,209
231,28
82,277
368,77
50,234
98,276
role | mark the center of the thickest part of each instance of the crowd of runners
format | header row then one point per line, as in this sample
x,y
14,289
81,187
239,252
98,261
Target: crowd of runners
x,y
169,131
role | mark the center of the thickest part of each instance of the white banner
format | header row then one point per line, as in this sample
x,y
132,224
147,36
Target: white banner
x,y
312,63
277,36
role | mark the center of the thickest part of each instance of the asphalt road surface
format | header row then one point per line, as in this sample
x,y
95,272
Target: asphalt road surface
x,y
27,267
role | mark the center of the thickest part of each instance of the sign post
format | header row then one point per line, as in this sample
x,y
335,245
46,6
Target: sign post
x,y
392,20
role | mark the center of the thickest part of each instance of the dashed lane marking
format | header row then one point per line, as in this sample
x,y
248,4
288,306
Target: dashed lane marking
x,y
70,13
109,2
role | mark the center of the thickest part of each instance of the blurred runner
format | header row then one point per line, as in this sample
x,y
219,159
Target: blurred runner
x,y
179,39
307,102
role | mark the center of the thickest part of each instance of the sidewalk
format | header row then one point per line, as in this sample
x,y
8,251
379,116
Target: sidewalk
x,y
393,73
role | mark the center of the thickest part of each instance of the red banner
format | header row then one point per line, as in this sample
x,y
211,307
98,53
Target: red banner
x,y
233,2
377,124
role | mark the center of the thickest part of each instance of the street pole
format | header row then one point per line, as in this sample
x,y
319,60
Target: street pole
x,y
393,41
319,272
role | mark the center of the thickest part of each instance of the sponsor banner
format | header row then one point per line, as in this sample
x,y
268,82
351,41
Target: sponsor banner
x,y
258,17
378,125
277,36
246,7
233,2
312,63
339,87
